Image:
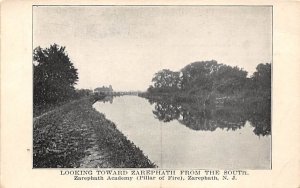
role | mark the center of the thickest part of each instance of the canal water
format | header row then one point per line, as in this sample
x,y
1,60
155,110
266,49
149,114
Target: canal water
x,y
190,136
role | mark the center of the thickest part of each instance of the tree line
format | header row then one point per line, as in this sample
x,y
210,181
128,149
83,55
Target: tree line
x,y
55,77
205,78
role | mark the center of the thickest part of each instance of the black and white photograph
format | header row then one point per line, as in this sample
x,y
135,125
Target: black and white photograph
x,y
152,86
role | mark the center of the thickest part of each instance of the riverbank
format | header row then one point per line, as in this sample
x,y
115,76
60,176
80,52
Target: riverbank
x,y
210,99
200,99
174,97
76,135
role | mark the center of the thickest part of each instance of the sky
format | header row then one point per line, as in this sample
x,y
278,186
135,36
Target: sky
x,y
124,46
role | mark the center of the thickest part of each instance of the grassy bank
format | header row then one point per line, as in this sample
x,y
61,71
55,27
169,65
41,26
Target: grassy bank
x,y
76,134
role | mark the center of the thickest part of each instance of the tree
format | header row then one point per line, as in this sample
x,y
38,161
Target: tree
x,y
262,77
166,80
54,75
229,80
198,75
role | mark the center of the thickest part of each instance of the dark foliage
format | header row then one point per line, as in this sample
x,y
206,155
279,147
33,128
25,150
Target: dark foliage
x,y
208,84
54,75
200,78
210,80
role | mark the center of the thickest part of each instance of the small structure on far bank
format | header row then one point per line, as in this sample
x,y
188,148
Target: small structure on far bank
x,y
106,90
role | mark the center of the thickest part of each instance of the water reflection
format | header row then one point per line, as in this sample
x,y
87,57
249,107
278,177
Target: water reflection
x,y
184,135
109,99
199,117
209,118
